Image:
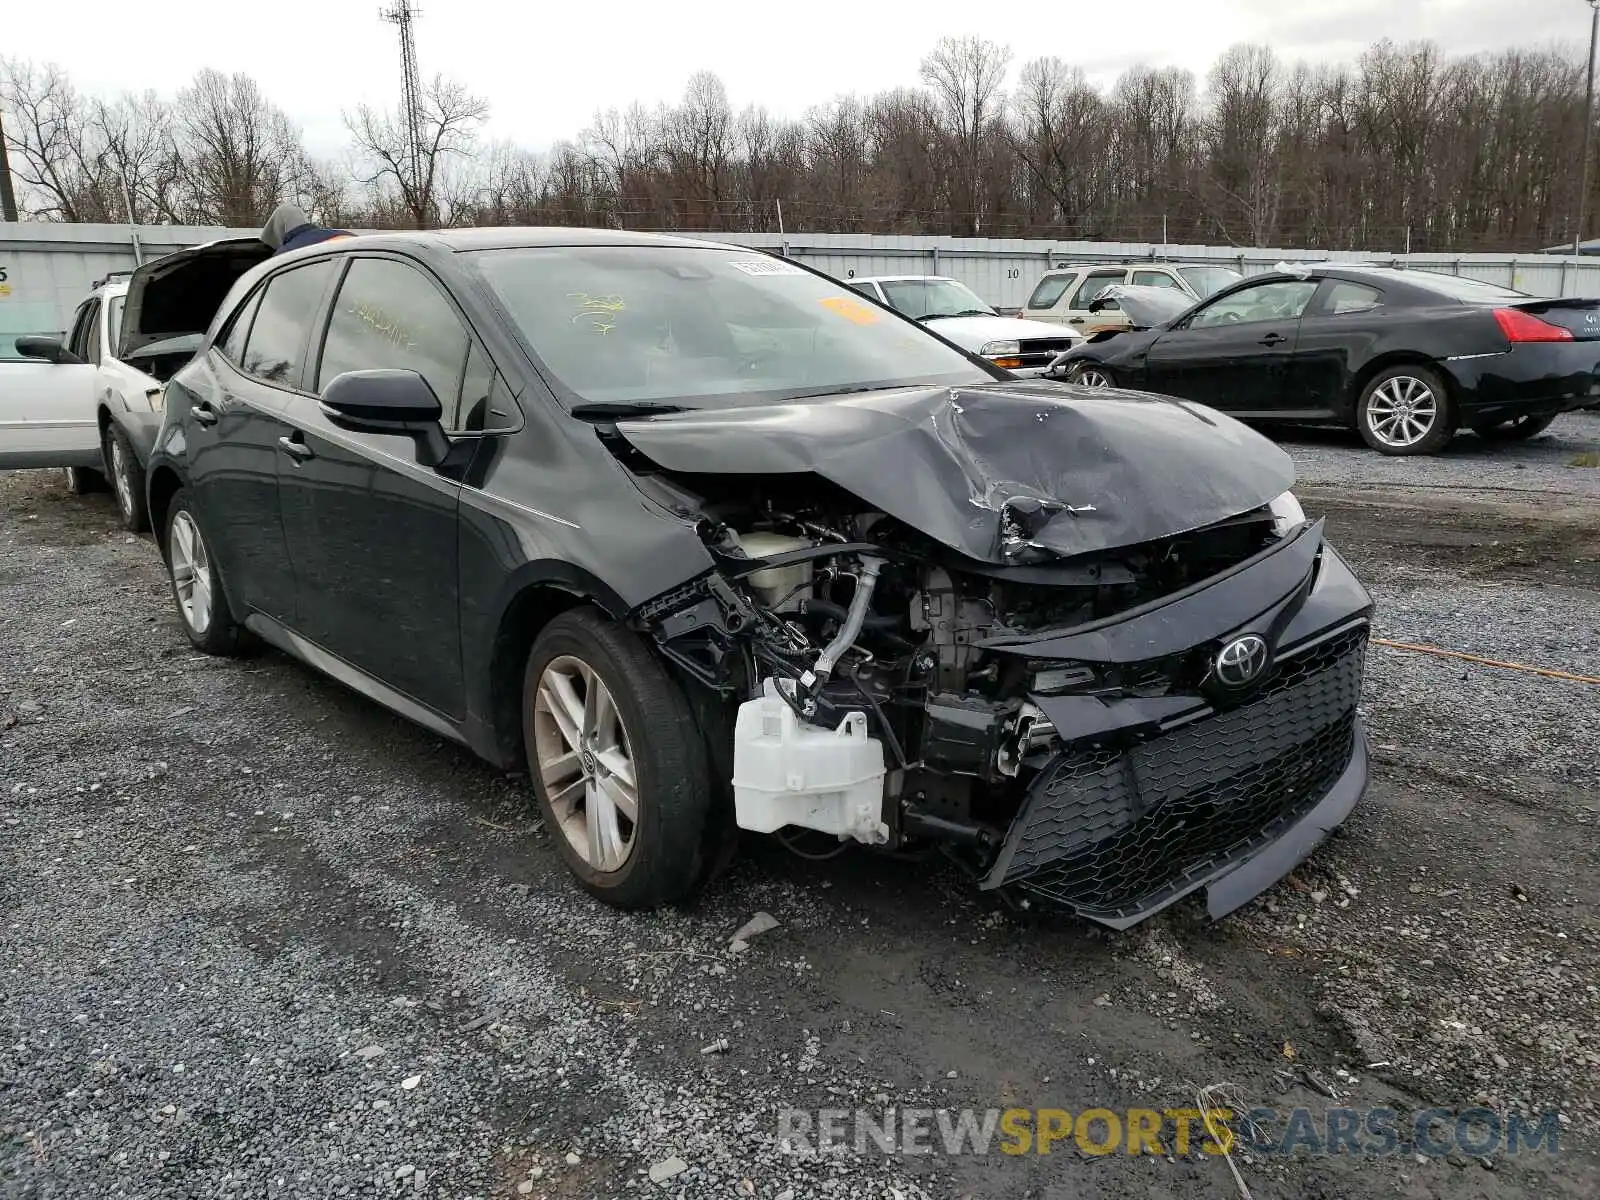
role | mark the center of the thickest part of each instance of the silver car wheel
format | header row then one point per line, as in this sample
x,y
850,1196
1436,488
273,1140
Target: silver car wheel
x,y
191,573
119,476
1402,411
1092,377
585,764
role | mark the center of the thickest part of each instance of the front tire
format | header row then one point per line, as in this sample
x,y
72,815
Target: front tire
x,y
196,586
127,480
617,762
1518,430
1406,410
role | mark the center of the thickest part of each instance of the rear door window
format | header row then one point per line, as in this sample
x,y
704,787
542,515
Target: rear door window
x,y
275,351
1155,279
232,343
92,347
78,343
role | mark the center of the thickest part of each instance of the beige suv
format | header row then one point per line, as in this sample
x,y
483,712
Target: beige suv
x,y
1063,295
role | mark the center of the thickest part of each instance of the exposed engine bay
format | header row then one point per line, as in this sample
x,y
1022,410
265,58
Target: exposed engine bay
x,y
1105,687
885,691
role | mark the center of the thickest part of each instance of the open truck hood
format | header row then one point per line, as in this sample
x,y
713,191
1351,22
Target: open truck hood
x,y
180,293
966,465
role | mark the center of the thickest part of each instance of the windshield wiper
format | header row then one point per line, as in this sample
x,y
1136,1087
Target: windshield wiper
x,y
608,408
851,389
965,312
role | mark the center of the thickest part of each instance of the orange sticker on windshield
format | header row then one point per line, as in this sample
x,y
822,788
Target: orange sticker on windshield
x,y
851,309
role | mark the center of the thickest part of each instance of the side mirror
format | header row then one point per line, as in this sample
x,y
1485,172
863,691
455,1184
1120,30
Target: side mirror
x,y
37,345
385,401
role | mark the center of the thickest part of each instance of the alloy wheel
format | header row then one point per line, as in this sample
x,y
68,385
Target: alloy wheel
x,y
1402,411
1093,377
191,573
119,476
585,763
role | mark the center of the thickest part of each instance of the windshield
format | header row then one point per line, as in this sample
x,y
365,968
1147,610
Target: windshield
x,y
690,326
924,298
1207,281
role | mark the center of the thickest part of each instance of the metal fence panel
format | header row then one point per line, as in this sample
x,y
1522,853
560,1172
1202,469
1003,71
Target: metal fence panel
x,y
49,267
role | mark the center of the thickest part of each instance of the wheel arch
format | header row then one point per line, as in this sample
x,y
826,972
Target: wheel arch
x,y
537,594
164,483
1395,358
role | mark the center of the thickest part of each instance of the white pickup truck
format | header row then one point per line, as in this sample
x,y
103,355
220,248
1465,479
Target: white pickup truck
x,y
953,310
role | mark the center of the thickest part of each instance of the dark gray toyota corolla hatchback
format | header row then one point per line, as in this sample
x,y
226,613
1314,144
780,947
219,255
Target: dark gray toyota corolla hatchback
x,y
708,542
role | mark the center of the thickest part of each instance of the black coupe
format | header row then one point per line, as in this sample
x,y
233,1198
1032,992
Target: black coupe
x,y
1404,357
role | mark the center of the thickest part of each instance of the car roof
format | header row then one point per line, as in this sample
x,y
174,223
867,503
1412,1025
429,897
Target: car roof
x,y
1121,266
903,279
513,237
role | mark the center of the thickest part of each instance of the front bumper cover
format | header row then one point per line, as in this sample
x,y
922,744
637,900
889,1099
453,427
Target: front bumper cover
x,y
1149,797
1230,802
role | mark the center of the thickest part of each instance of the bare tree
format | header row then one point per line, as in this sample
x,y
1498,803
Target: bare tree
x,y
967,75
448,127
242,155
1404,147
1059,133
1242,179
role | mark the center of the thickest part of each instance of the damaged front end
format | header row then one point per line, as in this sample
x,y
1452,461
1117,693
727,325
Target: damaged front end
x,y
1002,621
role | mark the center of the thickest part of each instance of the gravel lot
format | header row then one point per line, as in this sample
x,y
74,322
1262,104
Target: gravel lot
x,y
257,937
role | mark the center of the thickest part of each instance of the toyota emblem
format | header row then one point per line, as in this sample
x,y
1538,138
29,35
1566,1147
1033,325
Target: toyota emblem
x,y
1242,661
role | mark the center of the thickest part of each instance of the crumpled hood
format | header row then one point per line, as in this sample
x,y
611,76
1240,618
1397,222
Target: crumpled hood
x,y
970,333
1109,469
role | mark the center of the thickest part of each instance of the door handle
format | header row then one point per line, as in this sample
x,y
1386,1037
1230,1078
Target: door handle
x,y
1075,320
1273,339
295,448
205,414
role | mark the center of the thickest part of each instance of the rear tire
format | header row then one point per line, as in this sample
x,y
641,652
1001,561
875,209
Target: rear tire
x,y
196,586
81,481
1091,375
1519,430
1406,410
127,480
607,731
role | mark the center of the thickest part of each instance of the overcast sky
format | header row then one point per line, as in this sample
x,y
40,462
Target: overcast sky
x,y
546,68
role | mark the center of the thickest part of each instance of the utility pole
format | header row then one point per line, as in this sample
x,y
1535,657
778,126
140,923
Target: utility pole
x,y
8,198
404,16
1588,130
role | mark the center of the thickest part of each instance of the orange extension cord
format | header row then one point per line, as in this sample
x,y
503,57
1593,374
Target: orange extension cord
x,y
1487,662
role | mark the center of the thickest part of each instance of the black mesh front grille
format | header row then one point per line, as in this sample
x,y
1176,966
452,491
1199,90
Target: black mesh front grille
x,y
1111,832
1041,352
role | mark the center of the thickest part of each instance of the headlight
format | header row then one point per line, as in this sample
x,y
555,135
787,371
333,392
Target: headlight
x,y
1286,513
999,349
